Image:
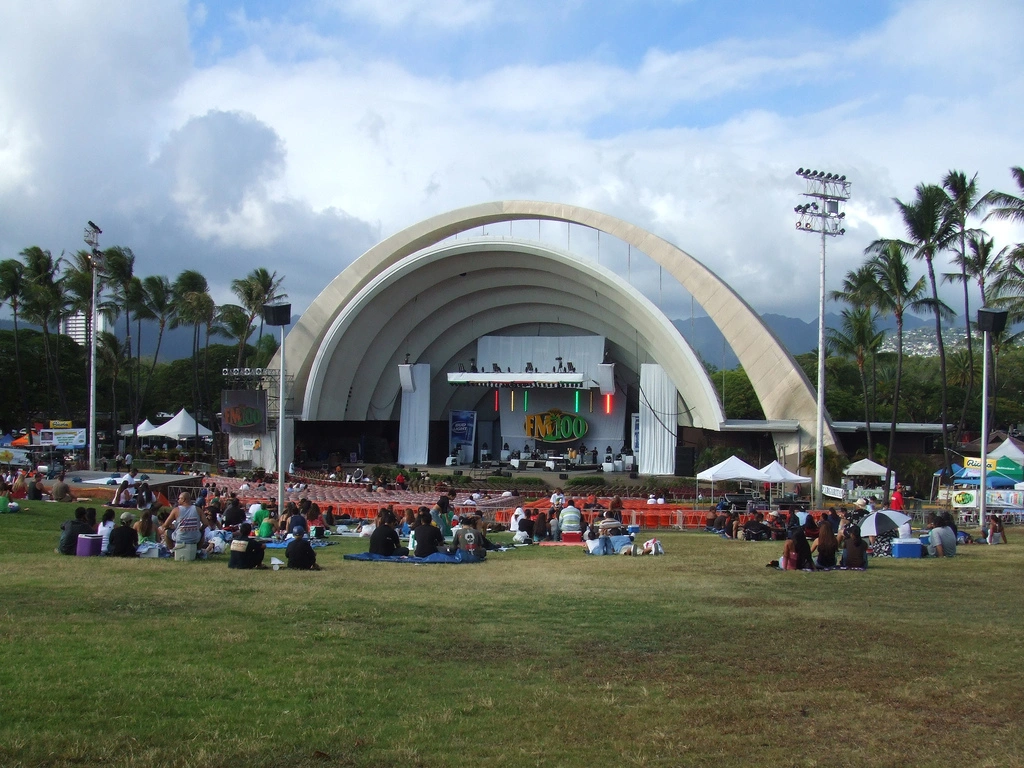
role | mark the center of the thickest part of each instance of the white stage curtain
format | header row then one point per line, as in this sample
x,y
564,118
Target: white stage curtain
x,y
659,417
586,353
414,429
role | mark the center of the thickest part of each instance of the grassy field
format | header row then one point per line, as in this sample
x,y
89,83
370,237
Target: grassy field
x,y
540,656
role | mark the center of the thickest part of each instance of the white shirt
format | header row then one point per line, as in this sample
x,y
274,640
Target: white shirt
x,y
517,516
557,498
253,509
127,478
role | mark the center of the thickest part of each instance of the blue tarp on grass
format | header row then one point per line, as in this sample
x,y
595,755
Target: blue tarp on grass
x,y
437,557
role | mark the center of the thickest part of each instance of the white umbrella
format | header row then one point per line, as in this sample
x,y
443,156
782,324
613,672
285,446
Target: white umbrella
x,y
878,523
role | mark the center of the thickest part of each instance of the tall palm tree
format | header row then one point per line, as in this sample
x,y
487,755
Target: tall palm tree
x,y
894,294
858,338
191,295
1005,205
858,290
119,277
929,232
110,359
259,287
12,290
45,302
964,202
158,299
236,324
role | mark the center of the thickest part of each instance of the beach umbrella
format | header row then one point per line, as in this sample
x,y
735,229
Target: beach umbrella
x,y
878,523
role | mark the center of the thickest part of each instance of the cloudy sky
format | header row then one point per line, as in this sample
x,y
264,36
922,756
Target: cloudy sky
x,y
293,135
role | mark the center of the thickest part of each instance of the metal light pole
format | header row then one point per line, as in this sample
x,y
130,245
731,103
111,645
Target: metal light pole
x,y
92,239
279,315
826,218
989,321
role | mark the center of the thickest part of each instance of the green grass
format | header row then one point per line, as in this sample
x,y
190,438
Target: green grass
x,y
537,657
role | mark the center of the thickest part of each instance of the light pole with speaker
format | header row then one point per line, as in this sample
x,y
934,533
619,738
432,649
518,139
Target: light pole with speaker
x,y
989,321
279,315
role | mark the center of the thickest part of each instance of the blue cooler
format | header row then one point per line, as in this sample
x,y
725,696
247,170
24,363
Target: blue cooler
x,y
634,529
906,548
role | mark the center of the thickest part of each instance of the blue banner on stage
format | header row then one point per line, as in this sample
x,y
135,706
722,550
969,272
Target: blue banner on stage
x,y
461,431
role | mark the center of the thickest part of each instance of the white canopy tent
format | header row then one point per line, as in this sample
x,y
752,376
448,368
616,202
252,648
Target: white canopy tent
x,y
779,474
181,427
1009,450
732,468
865,468
142,430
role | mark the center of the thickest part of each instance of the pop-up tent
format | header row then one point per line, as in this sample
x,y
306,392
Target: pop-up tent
x,y
1008,449
865,468
181,427
779,474
732,468
143,430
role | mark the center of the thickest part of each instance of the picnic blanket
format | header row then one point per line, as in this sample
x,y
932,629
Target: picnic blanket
x,y
437,557
315,543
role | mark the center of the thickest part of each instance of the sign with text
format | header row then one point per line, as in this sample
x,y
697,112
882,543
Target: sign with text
x,y
971,462
555,426
993,500
832,491
55,424
244,411
62,438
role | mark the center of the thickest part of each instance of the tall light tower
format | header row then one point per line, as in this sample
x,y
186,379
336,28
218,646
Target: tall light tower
x,y
827,191
92,239
279,315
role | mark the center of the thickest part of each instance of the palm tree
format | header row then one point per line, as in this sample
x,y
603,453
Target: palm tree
x,y
1004,205
859,290
110,358
191,292
45,302
158,302
257,288
12,290
235,324
963,203
858,338
929,232
893,294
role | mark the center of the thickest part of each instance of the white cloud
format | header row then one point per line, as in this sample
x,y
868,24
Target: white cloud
x,y
439,13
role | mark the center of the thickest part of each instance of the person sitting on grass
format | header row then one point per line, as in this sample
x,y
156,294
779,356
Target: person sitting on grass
x,y
941,537
146,528
61,491
469,539
996,531
825,545
609,525
144,498
796,552
300,553
755,529
855,549
246,553
124,496
540,526
384,539
70,531
428,536
105,528
124,540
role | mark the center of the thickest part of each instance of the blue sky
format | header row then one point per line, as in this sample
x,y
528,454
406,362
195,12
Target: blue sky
x,y
220,136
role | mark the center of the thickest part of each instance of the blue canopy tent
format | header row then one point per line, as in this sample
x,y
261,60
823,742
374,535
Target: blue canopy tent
x,y
6,440
972,477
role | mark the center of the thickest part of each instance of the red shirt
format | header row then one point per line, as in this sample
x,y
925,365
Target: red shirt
x,y
896,501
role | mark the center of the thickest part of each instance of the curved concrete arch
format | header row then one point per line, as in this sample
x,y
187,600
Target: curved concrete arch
x,y
781,386
434,304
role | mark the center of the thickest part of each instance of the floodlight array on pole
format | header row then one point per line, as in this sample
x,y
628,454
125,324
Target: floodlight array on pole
x,y
827,193
92,239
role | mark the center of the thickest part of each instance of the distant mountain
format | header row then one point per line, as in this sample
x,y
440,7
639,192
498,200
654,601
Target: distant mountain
x,y
796,335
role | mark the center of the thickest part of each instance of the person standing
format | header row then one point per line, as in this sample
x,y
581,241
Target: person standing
x,y
896,500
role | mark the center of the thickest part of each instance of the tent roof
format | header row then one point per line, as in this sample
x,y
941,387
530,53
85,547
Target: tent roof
x,y
732,468
180,427
779,474
143,429
865,468
1010,449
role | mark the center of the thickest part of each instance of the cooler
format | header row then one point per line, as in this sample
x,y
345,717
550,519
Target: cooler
x,y
906,548
89,545
572,537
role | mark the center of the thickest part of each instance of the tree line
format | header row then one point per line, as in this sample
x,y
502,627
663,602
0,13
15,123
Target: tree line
x,y
942,219
52,371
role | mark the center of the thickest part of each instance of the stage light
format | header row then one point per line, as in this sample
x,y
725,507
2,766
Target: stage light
x,y
223,371
608,404
526,394
497,401
577,401
799,171
512,400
